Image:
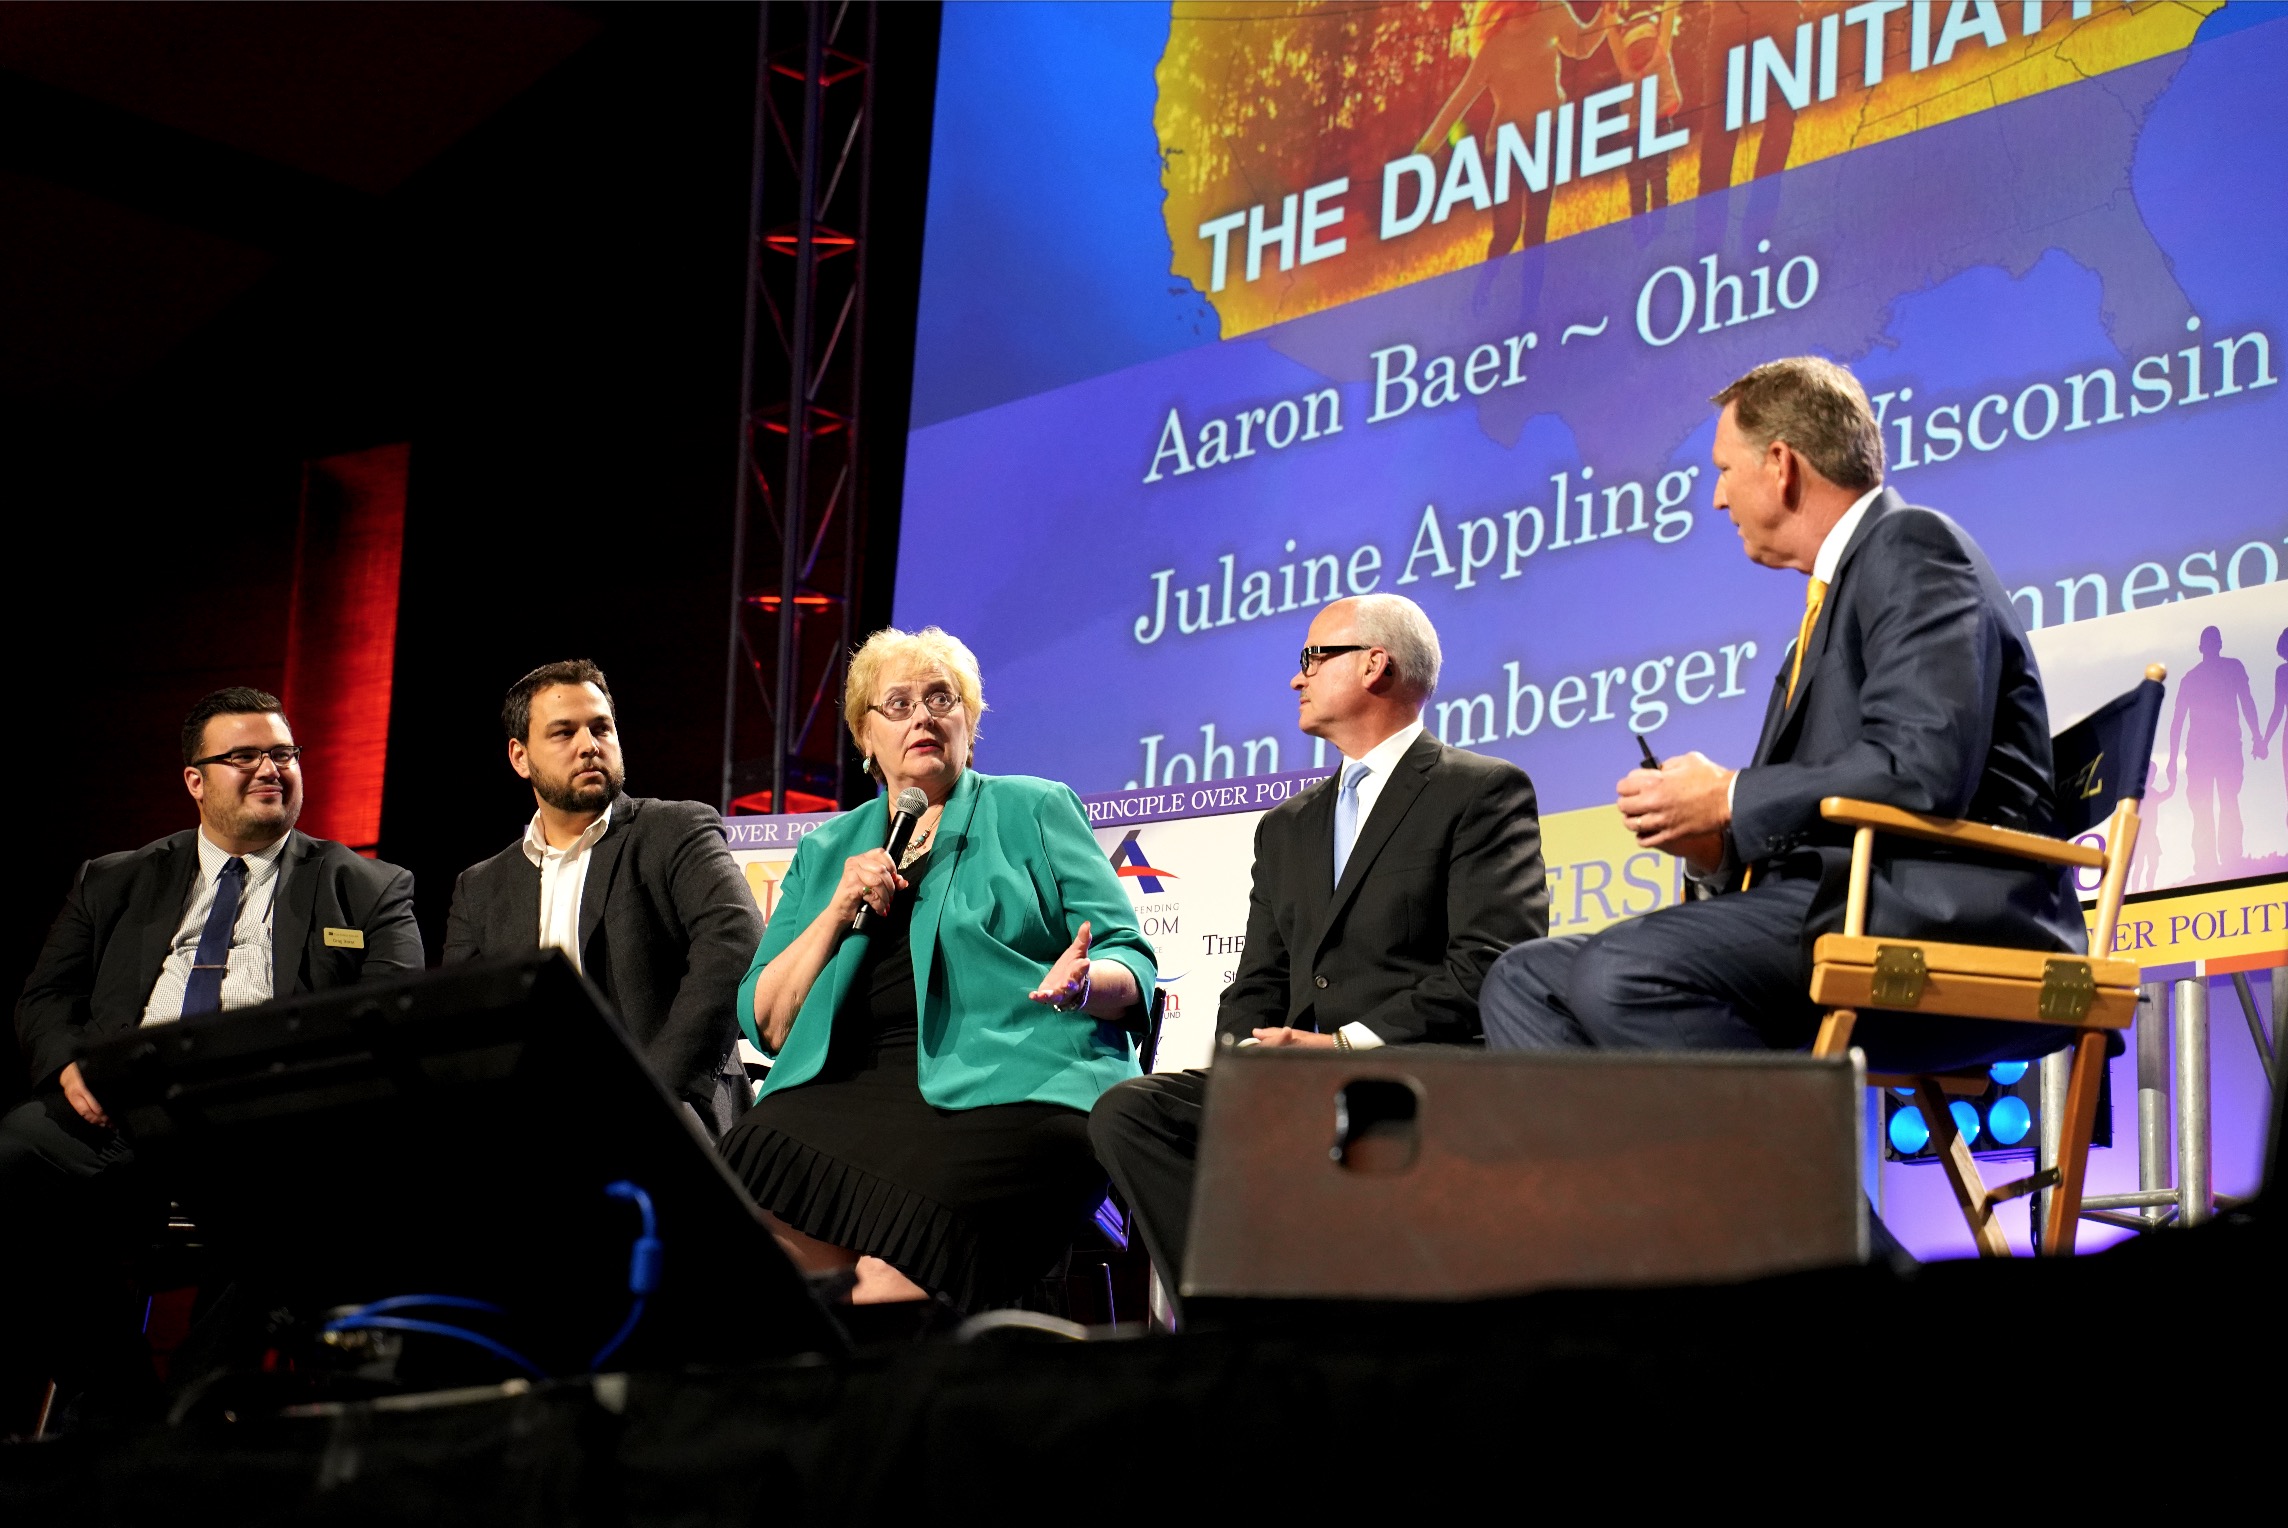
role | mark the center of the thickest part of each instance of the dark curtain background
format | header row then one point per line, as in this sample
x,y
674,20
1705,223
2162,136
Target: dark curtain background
x,y
550,314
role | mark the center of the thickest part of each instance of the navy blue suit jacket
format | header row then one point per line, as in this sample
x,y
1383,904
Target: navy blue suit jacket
x,y
1919,690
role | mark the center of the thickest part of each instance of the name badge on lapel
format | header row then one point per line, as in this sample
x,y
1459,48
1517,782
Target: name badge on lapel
x,y
345,939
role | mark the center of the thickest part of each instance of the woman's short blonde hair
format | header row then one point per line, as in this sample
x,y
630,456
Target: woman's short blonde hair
x,y
890,649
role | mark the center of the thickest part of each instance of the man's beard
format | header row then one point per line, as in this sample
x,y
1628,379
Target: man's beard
x,y
565,797
244,819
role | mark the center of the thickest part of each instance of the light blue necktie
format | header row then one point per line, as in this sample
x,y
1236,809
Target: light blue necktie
x,y
1346,816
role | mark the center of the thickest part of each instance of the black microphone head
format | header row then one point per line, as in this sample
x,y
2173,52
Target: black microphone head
x,y
912,802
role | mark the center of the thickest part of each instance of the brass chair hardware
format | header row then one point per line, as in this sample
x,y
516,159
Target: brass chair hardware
x,y
2068,988
1898,977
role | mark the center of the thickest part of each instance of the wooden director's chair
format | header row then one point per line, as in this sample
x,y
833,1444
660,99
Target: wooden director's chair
x,y
2100,759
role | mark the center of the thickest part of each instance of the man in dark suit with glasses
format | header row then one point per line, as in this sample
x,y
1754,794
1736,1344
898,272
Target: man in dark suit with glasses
x,y
237,911
1381,896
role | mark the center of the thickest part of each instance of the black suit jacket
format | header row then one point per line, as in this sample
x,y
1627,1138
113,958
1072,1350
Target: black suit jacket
x,y
104,953
1445,875
1919,691
667,928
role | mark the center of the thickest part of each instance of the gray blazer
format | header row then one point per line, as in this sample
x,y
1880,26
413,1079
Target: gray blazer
x,y
667,926
103,956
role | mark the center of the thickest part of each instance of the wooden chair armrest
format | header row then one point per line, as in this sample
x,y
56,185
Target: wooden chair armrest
x,y
1952,830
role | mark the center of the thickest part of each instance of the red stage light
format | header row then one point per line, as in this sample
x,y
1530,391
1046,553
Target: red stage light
x,y
758,803
341,642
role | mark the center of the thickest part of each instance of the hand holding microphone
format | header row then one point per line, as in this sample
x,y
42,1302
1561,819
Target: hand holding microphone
x,y
879,882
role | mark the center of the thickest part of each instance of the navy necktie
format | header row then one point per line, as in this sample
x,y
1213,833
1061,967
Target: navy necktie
x,y
203,993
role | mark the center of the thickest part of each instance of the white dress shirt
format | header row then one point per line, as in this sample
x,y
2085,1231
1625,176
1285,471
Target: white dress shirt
x,y
1379,760
563,877
247,978
1831,550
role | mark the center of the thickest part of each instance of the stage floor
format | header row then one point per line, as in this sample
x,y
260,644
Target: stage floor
x,y
1484,1403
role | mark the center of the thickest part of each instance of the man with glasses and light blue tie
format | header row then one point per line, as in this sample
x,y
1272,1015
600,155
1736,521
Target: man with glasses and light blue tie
x,y
231,913
1381,897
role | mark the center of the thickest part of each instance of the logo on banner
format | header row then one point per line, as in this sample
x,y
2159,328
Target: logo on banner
x,y
1128,860
764,877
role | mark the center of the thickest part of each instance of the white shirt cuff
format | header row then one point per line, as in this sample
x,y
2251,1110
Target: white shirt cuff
x,y
1361,1037
1730,861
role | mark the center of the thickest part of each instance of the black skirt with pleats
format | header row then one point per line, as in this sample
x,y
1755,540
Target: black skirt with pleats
x,y
971,1204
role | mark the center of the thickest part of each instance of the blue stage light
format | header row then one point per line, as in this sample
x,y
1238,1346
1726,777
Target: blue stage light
x,y
1908,1132
1965,1120
1902,1092
2007,1073
2009,1119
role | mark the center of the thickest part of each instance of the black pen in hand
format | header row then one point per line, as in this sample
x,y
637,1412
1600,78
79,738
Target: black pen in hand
x,y
1645,748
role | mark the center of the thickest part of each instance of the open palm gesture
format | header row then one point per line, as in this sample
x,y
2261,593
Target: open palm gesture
x,y
1066,985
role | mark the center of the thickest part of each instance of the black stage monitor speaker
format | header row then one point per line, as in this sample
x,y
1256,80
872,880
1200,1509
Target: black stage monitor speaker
x,y
1429,1173
456,1133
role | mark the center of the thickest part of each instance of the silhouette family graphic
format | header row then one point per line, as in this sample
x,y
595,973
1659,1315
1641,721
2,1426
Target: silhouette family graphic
x,y
2207,753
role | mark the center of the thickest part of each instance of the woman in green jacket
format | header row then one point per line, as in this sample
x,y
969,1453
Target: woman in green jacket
x,y
925,1122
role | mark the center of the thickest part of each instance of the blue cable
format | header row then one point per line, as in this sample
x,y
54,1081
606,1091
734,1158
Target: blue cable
x,y
404,1302
643,1267
643,1278
437,1329
627,1327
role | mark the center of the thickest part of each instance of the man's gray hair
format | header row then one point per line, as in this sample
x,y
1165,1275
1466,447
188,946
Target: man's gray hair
x,y
1397,625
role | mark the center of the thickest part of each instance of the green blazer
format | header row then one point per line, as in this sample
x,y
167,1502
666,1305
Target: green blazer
x,y
1014,873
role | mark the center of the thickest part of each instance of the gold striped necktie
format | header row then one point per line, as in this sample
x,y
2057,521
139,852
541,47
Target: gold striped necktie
x,y
1813,597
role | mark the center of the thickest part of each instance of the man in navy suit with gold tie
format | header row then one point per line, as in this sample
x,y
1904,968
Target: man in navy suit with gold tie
x,y
1911,683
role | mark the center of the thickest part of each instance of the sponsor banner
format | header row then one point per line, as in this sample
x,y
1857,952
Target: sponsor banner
x,y
1599,874
1186,798
1188,879
2212,932
764,847
774,832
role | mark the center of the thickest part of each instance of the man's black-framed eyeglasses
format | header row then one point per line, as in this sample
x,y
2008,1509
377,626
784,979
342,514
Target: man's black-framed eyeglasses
x,y
899,707
251,758
1314,656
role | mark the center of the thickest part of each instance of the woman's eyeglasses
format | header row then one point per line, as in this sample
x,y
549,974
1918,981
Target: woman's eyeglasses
x,y
899,708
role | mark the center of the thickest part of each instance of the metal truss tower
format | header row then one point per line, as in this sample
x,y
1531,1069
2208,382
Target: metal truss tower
x,y
800,502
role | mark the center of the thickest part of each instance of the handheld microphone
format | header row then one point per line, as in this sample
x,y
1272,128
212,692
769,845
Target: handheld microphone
x,y
911,804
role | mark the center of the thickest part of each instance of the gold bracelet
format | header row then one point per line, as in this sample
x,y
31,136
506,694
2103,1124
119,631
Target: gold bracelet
x,y
1342,1041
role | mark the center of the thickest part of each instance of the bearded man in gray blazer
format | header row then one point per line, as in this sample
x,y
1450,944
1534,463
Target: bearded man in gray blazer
x,y
641,894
